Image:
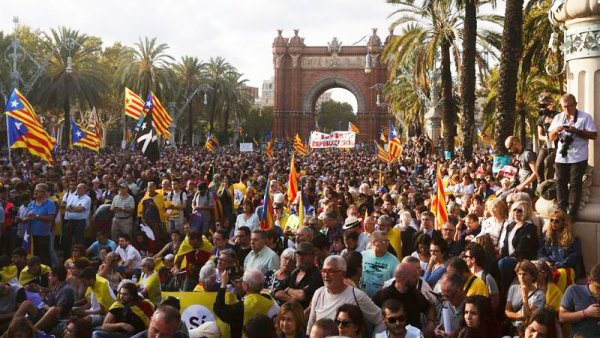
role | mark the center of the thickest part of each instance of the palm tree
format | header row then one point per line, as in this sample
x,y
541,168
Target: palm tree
x,y
236,100
432,29
72,77
509,69
215,72
468,73
189,74
146,68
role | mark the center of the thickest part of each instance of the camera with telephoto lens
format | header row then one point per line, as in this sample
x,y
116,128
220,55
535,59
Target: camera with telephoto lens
x,y
566,140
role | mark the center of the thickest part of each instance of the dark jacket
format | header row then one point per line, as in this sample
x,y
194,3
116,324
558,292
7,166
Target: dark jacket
x,y
525,241
561,257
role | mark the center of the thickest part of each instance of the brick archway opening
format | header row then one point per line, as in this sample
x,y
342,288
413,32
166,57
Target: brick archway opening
x,y
303,73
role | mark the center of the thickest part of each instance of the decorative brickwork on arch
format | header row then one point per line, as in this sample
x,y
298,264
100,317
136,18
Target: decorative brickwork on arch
x,y
303,73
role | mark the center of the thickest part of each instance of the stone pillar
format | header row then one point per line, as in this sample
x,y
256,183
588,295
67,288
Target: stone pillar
x,y
580,20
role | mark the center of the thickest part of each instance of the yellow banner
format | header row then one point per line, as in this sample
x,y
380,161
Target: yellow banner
x,y
197,308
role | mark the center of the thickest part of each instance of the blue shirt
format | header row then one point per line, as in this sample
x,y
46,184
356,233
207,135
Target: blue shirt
x,y
577,298
39,227
95,247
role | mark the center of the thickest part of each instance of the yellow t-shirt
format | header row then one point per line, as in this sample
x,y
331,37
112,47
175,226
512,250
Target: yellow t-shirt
x,y
477,287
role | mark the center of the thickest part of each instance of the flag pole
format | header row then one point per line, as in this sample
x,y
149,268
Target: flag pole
x,y
8,141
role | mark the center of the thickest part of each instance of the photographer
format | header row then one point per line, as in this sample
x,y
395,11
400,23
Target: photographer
x,y
547,148
573,129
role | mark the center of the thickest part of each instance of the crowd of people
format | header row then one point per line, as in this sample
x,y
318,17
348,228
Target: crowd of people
x,y
91,243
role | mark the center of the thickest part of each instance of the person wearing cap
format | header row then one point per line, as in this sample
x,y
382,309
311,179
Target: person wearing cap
x,y
304,280
123,206
352,224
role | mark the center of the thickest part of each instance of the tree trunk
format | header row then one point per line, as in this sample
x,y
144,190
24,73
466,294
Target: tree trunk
x,y
447,102
509,68
190,124
66,141
468,77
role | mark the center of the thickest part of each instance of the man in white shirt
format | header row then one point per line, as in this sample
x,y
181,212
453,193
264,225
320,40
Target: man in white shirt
x,y
573,129
261,257
77,213
130,257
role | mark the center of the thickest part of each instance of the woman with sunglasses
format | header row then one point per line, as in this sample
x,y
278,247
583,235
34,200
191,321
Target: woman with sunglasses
x,y
561,249
478,319
349,320
519,240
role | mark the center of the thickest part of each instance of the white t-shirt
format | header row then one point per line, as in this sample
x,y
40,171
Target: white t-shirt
x,y
411,332
325,305
578,150
130,253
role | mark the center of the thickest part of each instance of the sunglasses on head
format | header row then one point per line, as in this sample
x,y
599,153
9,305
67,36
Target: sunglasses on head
x,y
394,320
343,323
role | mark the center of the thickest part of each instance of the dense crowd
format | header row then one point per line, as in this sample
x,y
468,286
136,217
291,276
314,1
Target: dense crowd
x,y
91,244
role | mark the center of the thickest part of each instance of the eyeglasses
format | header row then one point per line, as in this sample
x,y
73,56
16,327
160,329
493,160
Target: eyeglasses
x,y
394,320
555,220
329,271
517,210
343,323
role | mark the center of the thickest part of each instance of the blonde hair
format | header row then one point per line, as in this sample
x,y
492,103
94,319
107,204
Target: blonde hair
x,y
526,209
500,205
565,237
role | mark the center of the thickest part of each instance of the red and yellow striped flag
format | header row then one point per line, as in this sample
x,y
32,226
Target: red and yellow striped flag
x,y
382,154
438,202
299,146
269,149
292,190
134,105
161,118
353,128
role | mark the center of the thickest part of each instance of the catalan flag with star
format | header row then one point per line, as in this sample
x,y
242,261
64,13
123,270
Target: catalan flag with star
x,y
162,119
211,143
84,138
353,128
25,130
394,144
134,105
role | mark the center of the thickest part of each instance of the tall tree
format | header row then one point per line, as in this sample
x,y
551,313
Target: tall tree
x,y
73,76
189,72
431,30
509,69
214,72
147,68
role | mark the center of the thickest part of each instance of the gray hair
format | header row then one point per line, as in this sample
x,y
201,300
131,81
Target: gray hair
x,y
289,253
456,280
148,263
337,260
387,220
255,279
208,273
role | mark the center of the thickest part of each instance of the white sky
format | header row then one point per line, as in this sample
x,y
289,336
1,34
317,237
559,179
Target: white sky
x,y
241,31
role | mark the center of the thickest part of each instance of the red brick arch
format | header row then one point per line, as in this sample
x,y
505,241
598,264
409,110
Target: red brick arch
x,y
303,73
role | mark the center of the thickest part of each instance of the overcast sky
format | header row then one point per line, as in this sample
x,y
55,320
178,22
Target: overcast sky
x,y
241,31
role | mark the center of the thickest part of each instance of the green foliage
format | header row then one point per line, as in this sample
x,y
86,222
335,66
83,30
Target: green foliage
x,y
258,122
335,115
